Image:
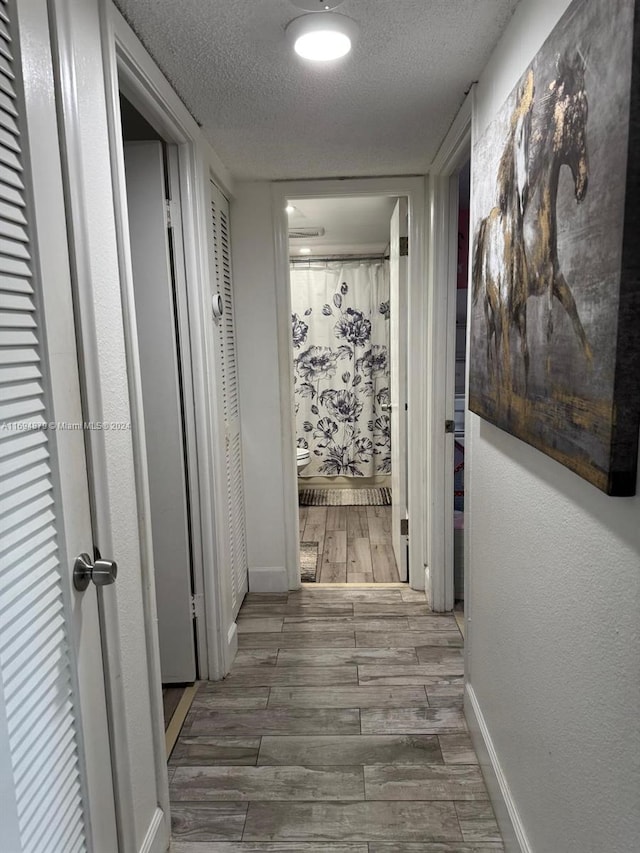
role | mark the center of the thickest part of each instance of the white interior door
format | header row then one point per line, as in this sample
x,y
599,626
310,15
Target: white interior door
x,y
153,286
56,785
222,287
398,357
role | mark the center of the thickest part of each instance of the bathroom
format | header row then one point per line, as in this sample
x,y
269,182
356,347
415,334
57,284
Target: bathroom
x,y
348,270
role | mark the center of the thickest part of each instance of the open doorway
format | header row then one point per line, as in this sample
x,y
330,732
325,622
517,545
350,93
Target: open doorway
x,y
348,276
157,261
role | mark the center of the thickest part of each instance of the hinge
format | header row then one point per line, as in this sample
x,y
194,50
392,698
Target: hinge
x,y
449,426
171,212
197,606
404,247
404,527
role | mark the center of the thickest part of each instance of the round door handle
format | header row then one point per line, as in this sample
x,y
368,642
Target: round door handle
x,y
101,572
385,407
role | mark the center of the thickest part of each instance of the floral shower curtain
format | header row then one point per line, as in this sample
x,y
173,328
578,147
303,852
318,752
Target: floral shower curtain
x,y
340,327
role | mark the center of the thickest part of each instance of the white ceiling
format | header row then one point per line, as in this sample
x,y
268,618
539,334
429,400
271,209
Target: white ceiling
x,y
353,226
382,110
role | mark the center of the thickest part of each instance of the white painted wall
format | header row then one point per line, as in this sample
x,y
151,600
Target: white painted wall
x,y
259,370
553,598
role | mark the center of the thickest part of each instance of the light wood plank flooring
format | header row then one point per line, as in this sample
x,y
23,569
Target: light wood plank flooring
x,y
354,543
339,730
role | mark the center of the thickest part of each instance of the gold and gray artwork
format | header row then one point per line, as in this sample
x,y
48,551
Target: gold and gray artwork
x,y
555,322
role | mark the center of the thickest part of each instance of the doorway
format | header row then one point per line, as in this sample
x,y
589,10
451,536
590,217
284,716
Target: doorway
x,y
348,280
157,261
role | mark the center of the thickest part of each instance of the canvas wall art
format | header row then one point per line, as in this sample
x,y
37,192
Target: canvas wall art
x,y
555,320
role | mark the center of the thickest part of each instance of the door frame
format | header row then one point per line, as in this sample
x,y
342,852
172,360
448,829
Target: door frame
x,y
415,191
453,153
130,70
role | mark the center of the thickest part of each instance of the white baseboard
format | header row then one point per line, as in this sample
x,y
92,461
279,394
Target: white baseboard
x,y
507,815
157,839
268,579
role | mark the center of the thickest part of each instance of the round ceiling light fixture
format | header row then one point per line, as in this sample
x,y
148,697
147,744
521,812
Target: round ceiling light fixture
x,y
322,37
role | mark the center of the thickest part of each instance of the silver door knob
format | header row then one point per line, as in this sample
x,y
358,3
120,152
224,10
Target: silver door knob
x,y
385,407
101,572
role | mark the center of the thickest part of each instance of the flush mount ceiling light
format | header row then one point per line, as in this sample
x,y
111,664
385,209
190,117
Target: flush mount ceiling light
x,y
322,37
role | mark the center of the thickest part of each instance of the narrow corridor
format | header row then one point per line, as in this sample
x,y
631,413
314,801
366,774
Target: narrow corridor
x,y
339,730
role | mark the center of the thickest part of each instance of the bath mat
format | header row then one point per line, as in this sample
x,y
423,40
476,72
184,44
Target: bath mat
x,y
308,561
345,497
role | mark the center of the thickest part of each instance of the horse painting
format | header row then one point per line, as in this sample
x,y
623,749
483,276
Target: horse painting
x,y
554,349
516,253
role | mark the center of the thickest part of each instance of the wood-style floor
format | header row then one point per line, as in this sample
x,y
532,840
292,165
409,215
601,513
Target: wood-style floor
x,y
339,730
354,543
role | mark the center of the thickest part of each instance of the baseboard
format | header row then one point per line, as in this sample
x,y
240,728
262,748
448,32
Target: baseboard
x,y
268,579
158,838
507,815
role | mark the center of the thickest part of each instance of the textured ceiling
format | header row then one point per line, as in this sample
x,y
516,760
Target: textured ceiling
x,y
382,110
352,225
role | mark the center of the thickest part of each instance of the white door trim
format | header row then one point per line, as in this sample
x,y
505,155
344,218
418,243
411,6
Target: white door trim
x,y
442,275
414,189
130,69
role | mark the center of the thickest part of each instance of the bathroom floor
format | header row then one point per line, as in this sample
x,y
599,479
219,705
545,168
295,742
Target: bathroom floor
x,y
354,543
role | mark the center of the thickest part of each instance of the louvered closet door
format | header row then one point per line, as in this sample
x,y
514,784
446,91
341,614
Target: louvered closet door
x,y
222,283
54,753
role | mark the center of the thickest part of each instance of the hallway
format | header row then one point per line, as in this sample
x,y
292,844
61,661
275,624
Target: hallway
x,y
339,730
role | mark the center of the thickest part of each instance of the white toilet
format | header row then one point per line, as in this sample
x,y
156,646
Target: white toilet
x,y
303,457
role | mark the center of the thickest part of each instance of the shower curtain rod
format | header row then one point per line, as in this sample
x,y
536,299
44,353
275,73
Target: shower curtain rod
x,y
310,259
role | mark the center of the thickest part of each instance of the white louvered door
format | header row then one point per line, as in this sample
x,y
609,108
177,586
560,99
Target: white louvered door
x,y
54,744
222,284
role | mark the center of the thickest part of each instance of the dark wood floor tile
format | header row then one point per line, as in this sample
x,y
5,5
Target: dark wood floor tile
x,y
408,674
357,525
344,608
336,518
477,822
255,657
266,847
207,821
421,782
383,562
222,699
401,609
333,572
435,848
336,657
297,640
261,597
367,596
457,749
274,783
215,751
407,639
409,594
292,676
277,721
433,622
171,697
258,624
346,697
351,749
345,623
365,821
412,721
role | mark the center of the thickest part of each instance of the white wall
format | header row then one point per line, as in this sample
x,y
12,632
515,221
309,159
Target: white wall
x,y
257,342
554,589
